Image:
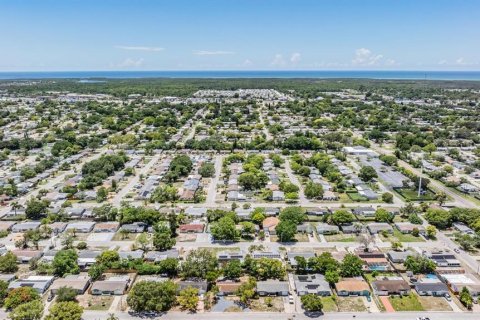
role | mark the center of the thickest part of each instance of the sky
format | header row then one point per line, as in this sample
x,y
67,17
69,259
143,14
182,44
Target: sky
x,y
91,35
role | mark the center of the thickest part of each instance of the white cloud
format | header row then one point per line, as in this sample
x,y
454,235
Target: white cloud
x,y
131,63
296,57
278,61
365,57
140,48
442,62
460,61
212,53
247,63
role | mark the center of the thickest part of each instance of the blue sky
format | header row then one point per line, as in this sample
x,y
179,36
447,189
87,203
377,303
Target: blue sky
x,y
84,35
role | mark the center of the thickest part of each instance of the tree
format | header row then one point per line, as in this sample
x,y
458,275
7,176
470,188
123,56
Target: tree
x,y
311,302
382,215
431,232
351,266
367,173
188,299
224,229
19,296
36,209
418,264
466,298
142,241
286,231
441,197
66,294
387,197
112,316
32,310
313,190
247,291
152,296
295,214
102,194
65,261
105,212
207,170
342,216
323,263
162,238
8,263
65,311
3,291
265,268
332,276
302,264
198,263
96,271
439,218
258,215
233,269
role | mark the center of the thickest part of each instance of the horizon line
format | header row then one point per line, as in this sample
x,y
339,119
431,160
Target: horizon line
x,y
242,70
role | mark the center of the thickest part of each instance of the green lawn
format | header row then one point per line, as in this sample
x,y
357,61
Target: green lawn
x,y
406,303
329,304
355,196
340,237
406,237
412,195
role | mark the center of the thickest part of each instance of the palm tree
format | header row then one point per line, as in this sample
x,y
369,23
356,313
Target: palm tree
x,y
15,206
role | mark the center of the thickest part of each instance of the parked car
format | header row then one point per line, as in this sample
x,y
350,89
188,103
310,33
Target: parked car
x,y
290,299
448,297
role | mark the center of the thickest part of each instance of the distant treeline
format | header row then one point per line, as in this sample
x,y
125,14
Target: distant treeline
x,y
307,88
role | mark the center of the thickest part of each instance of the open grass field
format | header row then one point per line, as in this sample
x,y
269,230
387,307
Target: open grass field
x,y
406,303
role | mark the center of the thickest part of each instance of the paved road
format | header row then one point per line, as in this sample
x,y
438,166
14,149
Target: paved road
x,y
101,315
458,200
302,200
120,196
212,188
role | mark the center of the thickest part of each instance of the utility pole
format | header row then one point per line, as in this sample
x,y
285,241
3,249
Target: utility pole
x,y
420,181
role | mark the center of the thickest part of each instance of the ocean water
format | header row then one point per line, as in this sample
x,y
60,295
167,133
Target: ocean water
x,y
405,75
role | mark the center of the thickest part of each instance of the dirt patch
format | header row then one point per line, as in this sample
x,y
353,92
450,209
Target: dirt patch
x,y
267,304
350,304
435,304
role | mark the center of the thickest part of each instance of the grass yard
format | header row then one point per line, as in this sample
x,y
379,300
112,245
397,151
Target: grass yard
x,y
434,303
412,195
329,304
398,236
340,237
406,303
355,196
128,237
351,304
299,237
99,303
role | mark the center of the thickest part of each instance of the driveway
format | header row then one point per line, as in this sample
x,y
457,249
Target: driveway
x,y
386,303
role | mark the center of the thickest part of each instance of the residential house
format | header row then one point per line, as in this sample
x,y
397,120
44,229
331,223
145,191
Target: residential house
x,y
272,288
311,284
387,286
111,226
352,287
201,285
269,224
39,283
114,286
325,228
82,226
408,227
191,228
79,283
378,227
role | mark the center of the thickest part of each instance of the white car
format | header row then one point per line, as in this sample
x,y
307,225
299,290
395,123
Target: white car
x,y
290,299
